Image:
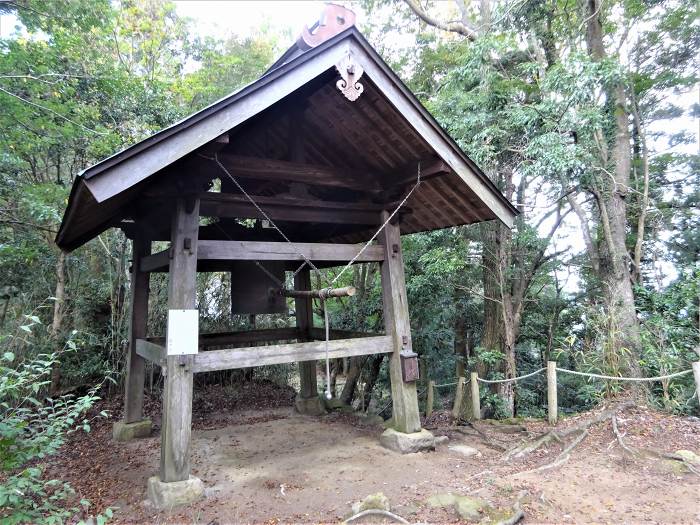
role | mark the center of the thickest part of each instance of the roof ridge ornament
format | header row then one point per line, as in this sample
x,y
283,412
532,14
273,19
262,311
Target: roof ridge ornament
x,y
350,72
334,19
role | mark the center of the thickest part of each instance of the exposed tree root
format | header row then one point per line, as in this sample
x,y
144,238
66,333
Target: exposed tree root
x,y
581,429
620,441
376,512
505,427
468,428
485,437
565,454
518,514
639,453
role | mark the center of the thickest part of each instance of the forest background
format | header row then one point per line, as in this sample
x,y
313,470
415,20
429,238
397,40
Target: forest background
x,y
584,113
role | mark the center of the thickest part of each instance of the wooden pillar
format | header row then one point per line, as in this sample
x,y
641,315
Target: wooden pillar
x,y
303,307
138,321
177,395
552,392
476,400
404,396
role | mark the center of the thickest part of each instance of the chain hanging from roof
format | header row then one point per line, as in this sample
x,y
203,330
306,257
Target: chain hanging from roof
x,y
350,73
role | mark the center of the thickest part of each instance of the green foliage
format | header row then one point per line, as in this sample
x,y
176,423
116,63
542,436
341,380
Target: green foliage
x,y
27,498
670,337
32,427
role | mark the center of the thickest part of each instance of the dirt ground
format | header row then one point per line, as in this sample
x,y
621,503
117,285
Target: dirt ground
x,y
270,465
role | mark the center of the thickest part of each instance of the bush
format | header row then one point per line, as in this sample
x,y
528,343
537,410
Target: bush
x,y
33,427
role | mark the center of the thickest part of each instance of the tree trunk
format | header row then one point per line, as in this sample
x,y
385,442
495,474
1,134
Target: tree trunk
x,y
351,378
375,366
460,345
58,313
492,339
614,271
501,305
507,390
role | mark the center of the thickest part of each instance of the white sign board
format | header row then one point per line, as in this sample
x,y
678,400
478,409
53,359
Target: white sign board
x,y
183,332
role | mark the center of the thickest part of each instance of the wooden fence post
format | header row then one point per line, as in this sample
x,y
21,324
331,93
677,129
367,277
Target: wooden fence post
x,y
696,374
430,402
459,397
552,392
476,401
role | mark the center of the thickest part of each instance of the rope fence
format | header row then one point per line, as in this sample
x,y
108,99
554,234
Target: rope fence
x,y
551,369
512,379
639,379
445,384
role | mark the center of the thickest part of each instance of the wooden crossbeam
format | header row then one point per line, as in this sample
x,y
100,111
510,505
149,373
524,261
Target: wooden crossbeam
x,y
284,208
429,168
289,353
248,336
268,251
283,251
156,262
155,353
335,333
281,170
242,336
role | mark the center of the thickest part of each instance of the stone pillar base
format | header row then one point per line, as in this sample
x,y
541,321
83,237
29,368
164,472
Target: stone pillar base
x,y
407,443
174,493
310,406
122,431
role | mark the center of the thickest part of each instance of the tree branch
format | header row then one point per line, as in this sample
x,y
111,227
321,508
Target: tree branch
x,y
56,113
641,220
585,230
461,28
605,223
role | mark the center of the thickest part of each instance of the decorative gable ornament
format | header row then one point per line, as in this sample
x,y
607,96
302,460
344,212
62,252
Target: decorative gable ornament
x,y
334,19
350,73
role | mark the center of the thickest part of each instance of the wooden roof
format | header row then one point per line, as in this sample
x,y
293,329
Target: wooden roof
x,y
298,146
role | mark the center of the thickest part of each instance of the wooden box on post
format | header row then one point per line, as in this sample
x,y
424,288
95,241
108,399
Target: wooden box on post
x,y
410,370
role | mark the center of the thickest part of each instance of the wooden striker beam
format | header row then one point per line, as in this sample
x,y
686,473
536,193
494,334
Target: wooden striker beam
x,y
323,293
